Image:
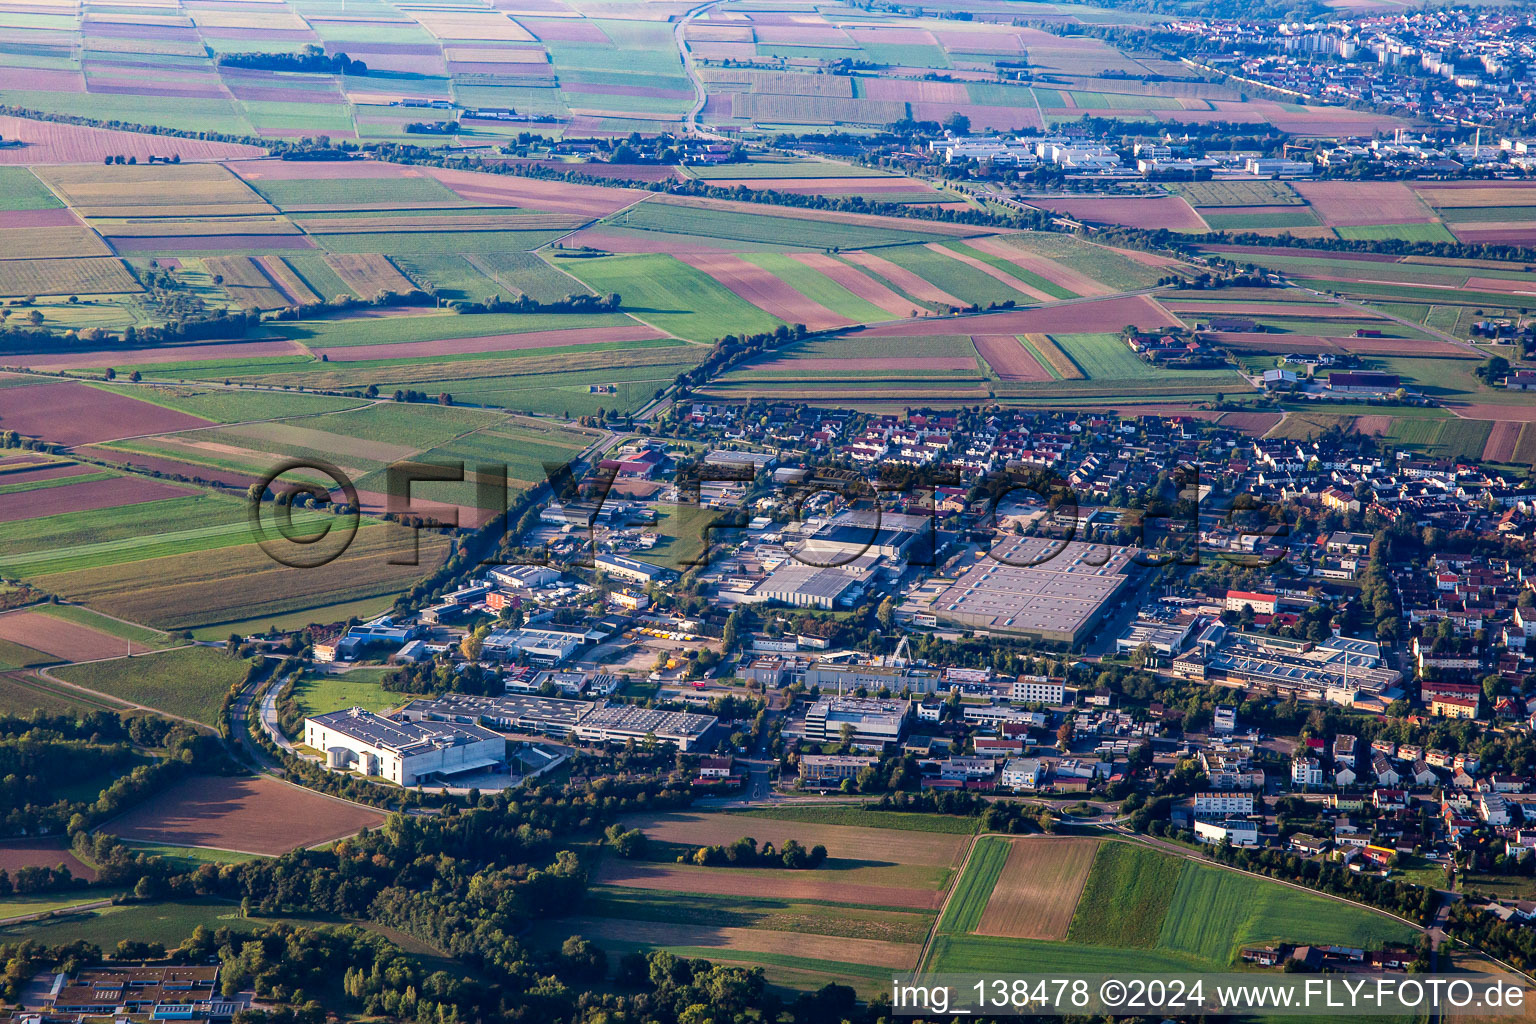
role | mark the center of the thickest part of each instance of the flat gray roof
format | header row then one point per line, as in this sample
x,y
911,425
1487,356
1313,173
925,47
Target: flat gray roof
x,y
403,737
1035,584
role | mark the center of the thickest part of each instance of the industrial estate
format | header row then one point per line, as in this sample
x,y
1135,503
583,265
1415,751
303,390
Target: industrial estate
x,y
597,511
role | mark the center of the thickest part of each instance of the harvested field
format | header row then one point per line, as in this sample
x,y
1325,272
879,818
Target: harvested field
x,y
765,291
1009,359
1358,203
246,282
47,142
1503,285
1051,356
773,884
62,638
288,280
1374,424
251,815
367,274
1466,194
1500,446
833,949
1148,212
1256,423
903,278
535,194
41,853
154,190
71,413
1036,894
38,218
1525,413
843,842
209,243
862,285
1525,448
82,497
99,275
116,357
495,343
49,242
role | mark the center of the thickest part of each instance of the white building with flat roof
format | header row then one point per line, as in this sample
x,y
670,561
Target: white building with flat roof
x,y
403,752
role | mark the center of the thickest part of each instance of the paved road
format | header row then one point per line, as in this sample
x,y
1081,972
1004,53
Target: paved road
x,y
700,97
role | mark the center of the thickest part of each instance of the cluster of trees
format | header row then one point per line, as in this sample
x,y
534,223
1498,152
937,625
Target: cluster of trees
x,y
40,752
340,303
745,853
311,60
572,303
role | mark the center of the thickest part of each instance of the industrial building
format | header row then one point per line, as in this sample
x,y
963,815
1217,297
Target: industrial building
x,y
631,569
400,750
600,722
1039,587
875,722
536,646
827,771
607,723
827,586
546,716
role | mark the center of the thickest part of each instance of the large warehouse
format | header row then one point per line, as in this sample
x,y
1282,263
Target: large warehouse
x,y
1039,587
600,722
402,751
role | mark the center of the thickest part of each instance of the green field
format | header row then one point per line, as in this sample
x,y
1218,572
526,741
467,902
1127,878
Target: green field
x,y
764,227
961,280
1280,217
1406,232
1214,911
302,193
672,296
322,334
527,274
189,681
1125,898
1013,270
968,901
20,190
110,536
227,405
1143,910
187,857
1104,356
818,287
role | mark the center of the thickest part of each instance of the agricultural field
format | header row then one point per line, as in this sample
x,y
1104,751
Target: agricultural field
x,y
863,914
1138,909
189,682
246,815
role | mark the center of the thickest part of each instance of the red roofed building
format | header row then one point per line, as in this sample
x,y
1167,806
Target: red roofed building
x,y
1262,604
